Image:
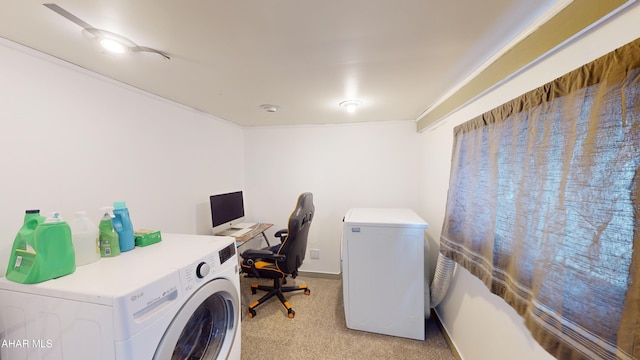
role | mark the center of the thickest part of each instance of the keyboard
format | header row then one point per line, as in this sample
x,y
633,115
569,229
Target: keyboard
x,y
240,232
243,225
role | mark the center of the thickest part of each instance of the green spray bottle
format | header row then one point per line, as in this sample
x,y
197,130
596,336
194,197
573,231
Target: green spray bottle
x,y
109,244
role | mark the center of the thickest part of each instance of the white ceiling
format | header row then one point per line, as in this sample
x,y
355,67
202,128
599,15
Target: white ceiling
x,y
228,57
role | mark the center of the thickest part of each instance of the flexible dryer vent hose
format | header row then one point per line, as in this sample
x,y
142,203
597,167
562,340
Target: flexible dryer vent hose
x,y
441,279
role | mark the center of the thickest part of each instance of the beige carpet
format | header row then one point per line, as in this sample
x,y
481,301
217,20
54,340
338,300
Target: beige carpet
x,y
319,331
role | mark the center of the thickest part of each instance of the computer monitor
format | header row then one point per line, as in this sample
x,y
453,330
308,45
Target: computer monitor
x,y
226,210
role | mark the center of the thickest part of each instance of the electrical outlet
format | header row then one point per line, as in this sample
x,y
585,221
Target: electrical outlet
x,y
315,253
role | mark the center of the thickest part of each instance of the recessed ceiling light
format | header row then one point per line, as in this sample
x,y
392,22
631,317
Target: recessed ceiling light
x,y
350,105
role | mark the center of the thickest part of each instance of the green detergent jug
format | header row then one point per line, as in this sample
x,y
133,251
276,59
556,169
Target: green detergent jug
x,y
42,252
22,253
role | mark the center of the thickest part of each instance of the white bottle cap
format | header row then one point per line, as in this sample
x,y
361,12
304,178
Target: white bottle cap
x,y
54,217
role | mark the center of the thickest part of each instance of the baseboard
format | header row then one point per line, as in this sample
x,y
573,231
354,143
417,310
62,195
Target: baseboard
x,y
445,334
321,275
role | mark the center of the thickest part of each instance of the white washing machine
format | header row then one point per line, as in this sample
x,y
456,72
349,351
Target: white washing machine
x,y
177,299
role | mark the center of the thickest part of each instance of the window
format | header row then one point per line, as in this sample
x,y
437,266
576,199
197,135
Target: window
x,y
543,206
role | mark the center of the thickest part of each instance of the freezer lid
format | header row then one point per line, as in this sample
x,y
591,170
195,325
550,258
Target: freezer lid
x,y
384,217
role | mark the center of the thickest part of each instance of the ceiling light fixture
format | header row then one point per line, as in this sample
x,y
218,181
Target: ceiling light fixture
x,y
109,41
113,46
350,105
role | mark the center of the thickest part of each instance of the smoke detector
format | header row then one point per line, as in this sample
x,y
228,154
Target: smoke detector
x,y
270,108
350,105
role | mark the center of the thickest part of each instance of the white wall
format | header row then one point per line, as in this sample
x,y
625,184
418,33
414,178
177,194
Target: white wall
x,y
344,166
481,325
71,140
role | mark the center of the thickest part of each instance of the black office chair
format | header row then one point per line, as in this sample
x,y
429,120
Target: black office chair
x,y
280,261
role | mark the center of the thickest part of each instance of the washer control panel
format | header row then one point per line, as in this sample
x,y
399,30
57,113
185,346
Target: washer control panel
x,y
227,253
202,270
198,272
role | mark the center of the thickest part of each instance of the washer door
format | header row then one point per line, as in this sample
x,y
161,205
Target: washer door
x,y
206,325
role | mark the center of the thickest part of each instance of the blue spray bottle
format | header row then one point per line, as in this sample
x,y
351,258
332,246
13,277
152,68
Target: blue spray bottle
x,y
122,225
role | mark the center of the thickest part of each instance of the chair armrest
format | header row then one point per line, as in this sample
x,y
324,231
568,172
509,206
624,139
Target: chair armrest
x,y
254,254
282,233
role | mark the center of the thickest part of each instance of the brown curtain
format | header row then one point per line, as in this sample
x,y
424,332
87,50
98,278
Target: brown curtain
x,y
543,207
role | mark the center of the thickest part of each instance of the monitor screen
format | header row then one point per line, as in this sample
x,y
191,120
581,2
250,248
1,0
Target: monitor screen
x,y
226,210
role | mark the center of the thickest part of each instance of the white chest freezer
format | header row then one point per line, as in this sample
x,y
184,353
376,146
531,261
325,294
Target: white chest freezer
x,y
383,267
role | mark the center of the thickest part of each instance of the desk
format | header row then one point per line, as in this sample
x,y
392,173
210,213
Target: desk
x,y
256,230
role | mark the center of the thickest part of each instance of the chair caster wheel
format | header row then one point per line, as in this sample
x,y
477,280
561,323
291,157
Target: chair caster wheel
x,y
252,313
307,292
291,314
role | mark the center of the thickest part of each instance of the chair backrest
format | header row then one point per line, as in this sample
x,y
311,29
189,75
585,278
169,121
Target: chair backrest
x,y
294,246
